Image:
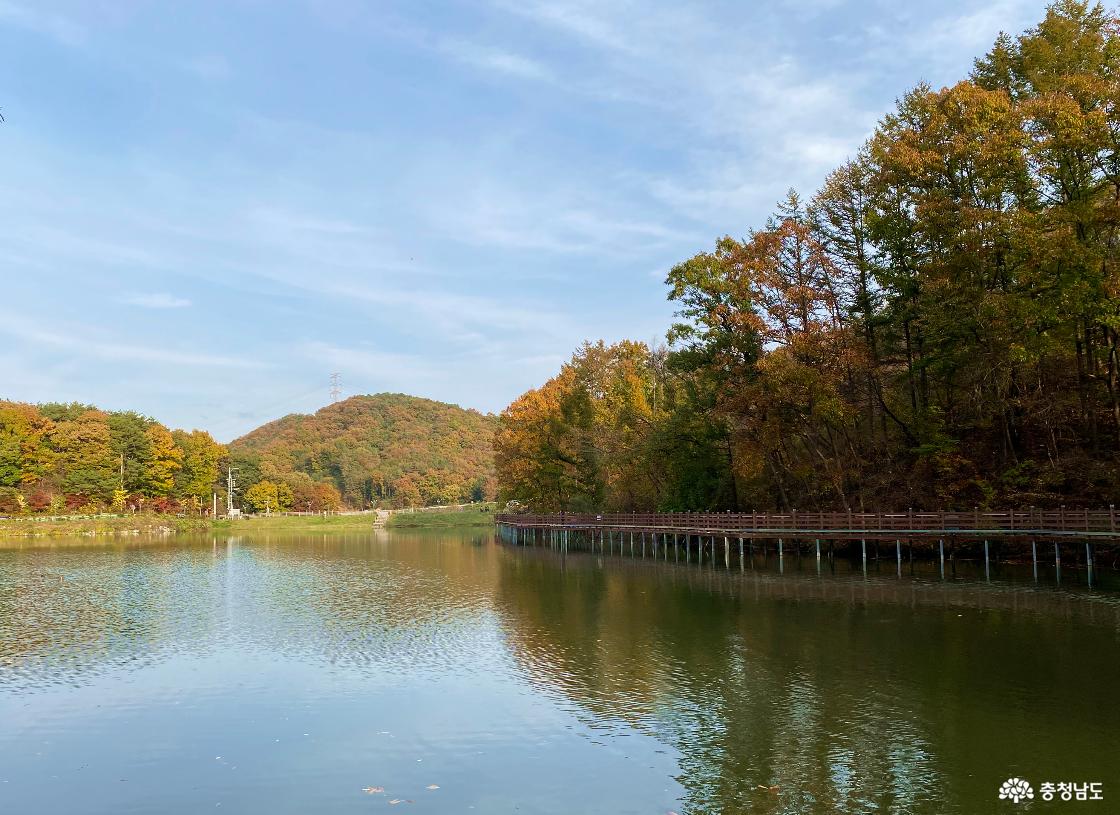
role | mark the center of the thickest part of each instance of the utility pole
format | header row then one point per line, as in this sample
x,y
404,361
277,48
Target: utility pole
x,y
229,488
336,386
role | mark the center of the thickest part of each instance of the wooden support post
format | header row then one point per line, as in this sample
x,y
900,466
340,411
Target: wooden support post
x,y
726,552
818,555
898,554
987,568
941,553
781,556
1034,558
863,542
741,554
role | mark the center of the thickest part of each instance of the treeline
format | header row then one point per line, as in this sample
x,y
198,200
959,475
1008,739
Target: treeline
x,y
73,458
387,449
938,326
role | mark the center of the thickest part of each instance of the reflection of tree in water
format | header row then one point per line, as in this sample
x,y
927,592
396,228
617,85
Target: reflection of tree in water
x,y
67,615
888,701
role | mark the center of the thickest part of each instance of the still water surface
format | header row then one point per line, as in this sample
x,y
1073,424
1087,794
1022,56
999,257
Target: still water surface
x,y
285,674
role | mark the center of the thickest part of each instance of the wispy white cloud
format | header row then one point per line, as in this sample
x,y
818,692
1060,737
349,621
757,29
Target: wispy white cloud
x,y
35,18
157,300
760,115
497,59
958,36
508,219
379,368
87,345
590,22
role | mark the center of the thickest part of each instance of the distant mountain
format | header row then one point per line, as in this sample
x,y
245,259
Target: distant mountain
x,y
388,449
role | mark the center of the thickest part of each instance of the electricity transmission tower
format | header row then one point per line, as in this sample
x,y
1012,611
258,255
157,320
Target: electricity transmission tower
x,y
336,386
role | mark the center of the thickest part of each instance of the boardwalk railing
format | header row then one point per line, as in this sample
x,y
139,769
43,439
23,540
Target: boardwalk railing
x,y
1097,524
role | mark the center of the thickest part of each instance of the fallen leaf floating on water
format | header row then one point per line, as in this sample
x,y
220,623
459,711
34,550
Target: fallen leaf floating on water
x,y
433,786
773,789
395,801
372,790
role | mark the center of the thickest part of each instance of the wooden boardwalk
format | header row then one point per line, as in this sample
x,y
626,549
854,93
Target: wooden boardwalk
x,y
711,537
1026,524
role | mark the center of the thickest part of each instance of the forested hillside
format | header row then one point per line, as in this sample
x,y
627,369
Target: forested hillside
x,y
75,458
386,449
937,326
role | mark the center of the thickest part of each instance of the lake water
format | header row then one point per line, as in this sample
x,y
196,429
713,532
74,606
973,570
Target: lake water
x,y
288,674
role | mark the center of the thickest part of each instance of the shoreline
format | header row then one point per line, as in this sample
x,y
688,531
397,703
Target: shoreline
x,y
16,531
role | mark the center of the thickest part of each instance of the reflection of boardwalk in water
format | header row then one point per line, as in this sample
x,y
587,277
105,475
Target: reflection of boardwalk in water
x,y
844,582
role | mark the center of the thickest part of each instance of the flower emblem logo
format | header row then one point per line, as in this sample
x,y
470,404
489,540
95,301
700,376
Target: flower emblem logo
x,y
1016,789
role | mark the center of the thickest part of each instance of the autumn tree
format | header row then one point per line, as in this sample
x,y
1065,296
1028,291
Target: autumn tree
x,y
198,471
84,461
268,496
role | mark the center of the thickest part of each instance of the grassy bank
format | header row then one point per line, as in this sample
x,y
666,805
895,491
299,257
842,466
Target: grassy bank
x,y
17,529
294,523
442,518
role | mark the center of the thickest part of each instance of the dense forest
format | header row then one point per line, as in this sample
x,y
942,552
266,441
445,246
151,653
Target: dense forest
x,y
383,450
386,450
938,326
57,458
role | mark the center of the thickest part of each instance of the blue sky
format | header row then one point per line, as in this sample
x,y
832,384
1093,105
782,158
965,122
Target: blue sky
x,y
208,207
